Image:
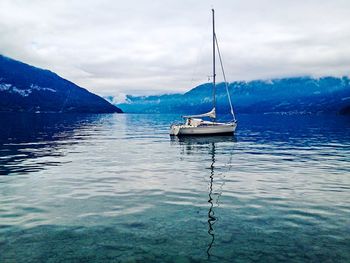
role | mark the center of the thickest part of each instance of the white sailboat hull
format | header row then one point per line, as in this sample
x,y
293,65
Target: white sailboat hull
x,y
215,129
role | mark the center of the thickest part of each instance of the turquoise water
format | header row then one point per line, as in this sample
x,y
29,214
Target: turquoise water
x,y
116,188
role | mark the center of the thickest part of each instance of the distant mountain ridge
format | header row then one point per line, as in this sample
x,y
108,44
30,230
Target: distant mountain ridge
x,y
25,88
286,95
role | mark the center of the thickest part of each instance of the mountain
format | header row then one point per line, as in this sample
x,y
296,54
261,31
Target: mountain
x,y
24,88
287,95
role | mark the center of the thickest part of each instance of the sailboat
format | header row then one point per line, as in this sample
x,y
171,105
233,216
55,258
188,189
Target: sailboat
x,y
195,124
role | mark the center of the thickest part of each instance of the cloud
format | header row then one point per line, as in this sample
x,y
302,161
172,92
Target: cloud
x,y
144,47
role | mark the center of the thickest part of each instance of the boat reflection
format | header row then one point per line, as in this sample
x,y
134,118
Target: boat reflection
x,y
191,145
201,140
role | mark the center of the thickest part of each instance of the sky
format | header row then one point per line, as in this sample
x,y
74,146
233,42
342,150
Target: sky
x,y
114,47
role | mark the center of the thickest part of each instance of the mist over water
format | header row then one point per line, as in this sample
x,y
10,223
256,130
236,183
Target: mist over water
x,y
117,188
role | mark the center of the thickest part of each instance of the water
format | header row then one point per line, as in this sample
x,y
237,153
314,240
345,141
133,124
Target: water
x,y
116,188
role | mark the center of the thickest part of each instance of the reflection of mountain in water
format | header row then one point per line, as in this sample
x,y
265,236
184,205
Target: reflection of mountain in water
x,y
190,146
24,138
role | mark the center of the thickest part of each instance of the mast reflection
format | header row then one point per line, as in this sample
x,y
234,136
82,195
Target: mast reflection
x,y
211,213
191,145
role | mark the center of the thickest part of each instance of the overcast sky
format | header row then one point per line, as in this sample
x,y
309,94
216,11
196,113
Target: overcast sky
x,y
144,47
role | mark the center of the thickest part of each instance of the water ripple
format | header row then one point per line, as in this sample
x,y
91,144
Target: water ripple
x,y
117,188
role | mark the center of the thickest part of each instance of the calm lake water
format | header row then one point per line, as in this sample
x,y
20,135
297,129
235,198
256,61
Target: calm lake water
x,y
116,188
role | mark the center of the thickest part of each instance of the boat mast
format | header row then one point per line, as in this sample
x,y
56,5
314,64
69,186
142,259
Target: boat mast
x,y
214,74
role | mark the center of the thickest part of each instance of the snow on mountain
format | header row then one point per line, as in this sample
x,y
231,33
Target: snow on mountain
x,y
25,88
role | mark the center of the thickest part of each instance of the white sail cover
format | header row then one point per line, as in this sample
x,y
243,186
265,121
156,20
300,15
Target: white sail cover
x,y
211,114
